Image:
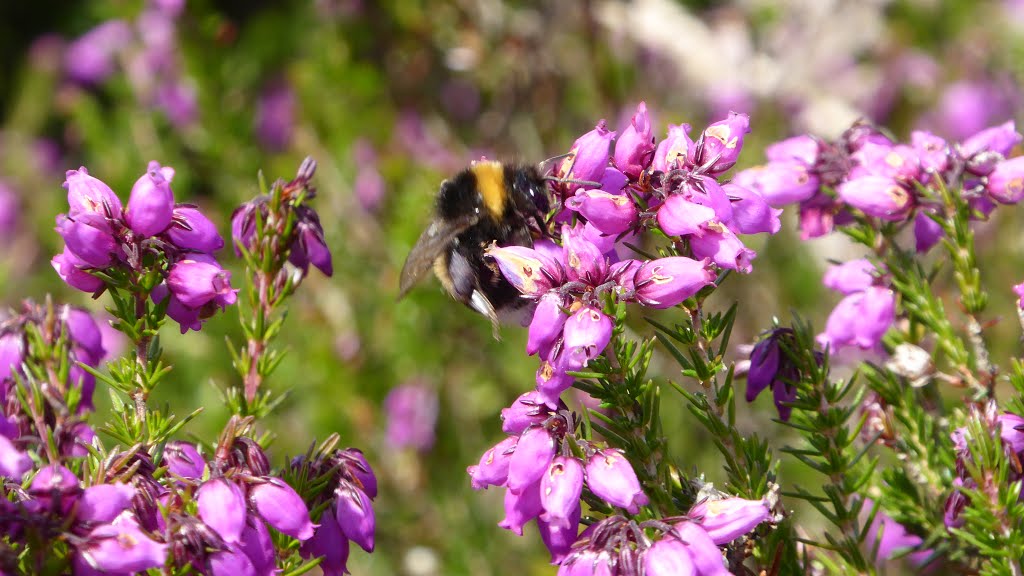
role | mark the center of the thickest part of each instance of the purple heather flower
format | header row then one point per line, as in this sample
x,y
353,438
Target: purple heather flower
x,y
860,319
559,537
86,337
411,414
104,502
309,246
671,152
243,226
521,507
679,216
187,318
560,489
706,556
528,410
720,143
611,478
12,354
258,547
765,359
13,462
191,230
899,162
877,196
721,246
780,182
222,507
122,548
88,237
179,101
196,283
588,156
533,455
92,58
360,469
706,191
817,216
56,488
230,561
275,115
609,213
999,139
551,375
893,539
635,147
665,282
282,507
493,467
528,270
151,203
851,277
804,149
329,543
1006,182
1019,291
69,268
354,514
729,518
587,332
587,562
668,557
932,151
90,195
751,214
546,325
584,261
927,232
184,460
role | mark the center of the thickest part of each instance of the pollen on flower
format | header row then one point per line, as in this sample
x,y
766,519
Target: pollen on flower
x,y
127,541
894,159
723,133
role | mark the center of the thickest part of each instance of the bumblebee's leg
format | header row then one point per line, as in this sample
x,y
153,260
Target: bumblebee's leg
x,y
480,303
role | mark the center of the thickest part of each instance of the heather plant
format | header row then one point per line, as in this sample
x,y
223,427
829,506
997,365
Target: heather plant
x,y
129,496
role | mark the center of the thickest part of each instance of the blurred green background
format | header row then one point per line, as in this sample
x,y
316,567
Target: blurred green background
x,y
390,97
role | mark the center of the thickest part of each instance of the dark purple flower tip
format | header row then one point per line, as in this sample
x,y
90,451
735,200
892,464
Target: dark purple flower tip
x,y
678,216
151,203
932,151
877,196
330,544
588,156
531,458
927,232
850,277
722,142
751,213
493,467
720,245
122,548
561,535
671,152
411,416
999,139
634,149
707,557
354,514
860,319
526,411
898,162
780,182
560,489
546,325
191,230
764,366
611,478
282,507
85,335
195,282
222,507
184,460
668,557
803,149
70,269
89,238
104,502
587,333
309,246
665,282
14,463
88,195
528,270
729,518
610,213
1006,182
521,507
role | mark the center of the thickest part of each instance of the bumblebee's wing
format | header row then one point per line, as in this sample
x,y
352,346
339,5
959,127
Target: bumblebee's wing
x,y
432,243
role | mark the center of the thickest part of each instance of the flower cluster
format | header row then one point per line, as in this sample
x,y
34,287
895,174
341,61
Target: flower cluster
x,y
169,245
1010,429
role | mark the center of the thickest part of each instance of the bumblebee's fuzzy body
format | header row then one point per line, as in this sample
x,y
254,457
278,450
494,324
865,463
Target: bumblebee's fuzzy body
x,y
489,202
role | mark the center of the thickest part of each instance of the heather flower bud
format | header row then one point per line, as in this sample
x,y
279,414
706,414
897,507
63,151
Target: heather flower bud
x,y
222,507
560,489
151,203
803,149
122,548
1006,182
191,230
90,195
704,552
13,462
588,156
877,196
69,267
668,557
927,232
546,325
611,478
999,139
780,182
529,271
281,507
765,360
635,147
184,460
494,465
587,332
721,246
196,283
665,282
721,143
751,214
609,213
532,457
88,237
528,410
671,152
584,261
678,216
354,514
104,502
521,507
329,543
729,518
850,277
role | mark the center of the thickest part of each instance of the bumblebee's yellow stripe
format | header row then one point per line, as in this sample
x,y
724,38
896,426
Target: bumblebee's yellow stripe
x,y
490,179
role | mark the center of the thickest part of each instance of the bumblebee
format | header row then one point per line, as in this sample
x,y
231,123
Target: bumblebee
x,y
487,203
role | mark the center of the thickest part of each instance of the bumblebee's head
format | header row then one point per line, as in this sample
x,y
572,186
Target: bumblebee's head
x,y
529,190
